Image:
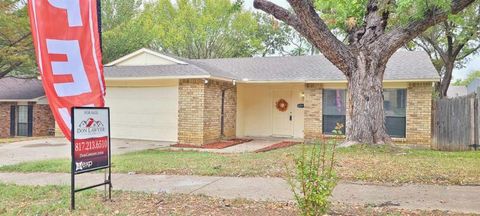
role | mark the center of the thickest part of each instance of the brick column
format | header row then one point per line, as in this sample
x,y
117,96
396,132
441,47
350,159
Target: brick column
x,y
190,111
419,113
5,119
313,112
200,108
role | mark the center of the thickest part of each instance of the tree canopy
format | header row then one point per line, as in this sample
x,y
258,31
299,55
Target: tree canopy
x,y
190,29
117,12
202,29
451,42
16,49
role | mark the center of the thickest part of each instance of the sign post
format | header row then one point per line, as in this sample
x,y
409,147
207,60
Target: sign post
x,y
90,145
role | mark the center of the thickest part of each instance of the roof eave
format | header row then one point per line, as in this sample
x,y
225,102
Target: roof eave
x,y
22,100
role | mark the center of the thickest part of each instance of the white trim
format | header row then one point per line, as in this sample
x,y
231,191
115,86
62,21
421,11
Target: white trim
x,y
385,81
221,79
166,78
272,81
22,100
255,81
144,50
155,78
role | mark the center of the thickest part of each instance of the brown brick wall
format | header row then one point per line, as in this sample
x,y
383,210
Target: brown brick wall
x,y
419,113
313,112
213,108
190,111
199,115
43,120
5,119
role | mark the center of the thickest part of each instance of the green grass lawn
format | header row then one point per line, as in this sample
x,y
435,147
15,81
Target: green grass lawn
x,y
55,200
47,200
359,163
17,139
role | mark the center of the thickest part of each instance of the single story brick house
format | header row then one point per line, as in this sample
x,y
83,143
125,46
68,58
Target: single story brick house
x,y
24,110
160,97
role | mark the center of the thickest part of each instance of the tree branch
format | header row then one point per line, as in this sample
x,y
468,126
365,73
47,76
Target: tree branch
x,y
309,24
9,69
400,35
469,52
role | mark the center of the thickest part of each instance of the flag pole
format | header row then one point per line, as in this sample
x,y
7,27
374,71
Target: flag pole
x,y
99,19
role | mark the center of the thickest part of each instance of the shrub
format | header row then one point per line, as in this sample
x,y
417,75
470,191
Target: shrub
x,y
314,178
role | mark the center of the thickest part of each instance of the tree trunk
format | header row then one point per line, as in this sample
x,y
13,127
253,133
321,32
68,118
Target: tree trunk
x,y
365,114
446,79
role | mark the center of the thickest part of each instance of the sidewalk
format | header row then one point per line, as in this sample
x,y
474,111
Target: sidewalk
x,y
426,197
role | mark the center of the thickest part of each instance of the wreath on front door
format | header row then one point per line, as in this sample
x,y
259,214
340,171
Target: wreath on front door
x,y
281,105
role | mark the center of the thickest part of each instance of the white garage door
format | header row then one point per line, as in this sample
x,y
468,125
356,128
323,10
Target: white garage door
x,y
146,113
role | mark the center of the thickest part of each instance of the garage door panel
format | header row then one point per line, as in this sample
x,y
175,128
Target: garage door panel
x,y
146,110
149,113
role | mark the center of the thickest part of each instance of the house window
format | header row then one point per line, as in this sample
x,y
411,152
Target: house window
x,y
395,111
333,109
22,121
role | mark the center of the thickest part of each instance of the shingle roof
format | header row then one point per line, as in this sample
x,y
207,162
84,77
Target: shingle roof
x,y
403,65
20,89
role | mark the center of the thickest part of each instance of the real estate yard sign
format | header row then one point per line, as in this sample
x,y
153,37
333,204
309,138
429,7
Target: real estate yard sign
x,y
90,144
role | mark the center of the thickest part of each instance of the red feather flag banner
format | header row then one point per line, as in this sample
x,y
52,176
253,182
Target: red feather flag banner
x,y
67,47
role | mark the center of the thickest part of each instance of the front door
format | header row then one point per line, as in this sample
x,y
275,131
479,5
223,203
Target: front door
x,y
282,116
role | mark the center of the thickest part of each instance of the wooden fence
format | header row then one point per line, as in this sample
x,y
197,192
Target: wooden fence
x,y
455,123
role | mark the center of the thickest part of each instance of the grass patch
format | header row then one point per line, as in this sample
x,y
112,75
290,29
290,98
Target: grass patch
x,y
18,139
31,200
55,200
358,163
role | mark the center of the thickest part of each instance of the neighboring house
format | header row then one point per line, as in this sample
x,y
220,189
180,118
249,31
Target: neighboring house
x,y
158,97
456,91
473,86
24,110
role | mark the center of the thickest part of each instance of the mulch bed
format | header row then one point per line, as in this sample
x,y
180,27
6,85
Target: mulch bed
x,y
216,145
282,144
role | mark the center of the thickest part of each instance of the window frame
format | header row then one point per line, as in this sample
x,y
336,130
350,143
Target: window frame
x,y
344,116
403,105
18,123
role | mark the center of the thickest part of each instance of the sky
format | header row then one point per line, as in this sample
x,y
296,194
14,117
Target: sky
x,y
472,65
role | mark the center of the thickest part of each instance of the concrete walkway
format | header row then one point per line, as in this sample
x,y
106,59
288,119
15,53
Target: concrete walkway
x,y
55,147
426,197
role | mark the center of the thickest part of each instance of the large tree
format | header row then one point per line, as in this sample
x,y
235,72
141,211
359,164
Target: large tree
x,y
204,28
190,29
451,42
16,49
117,12
274,38
376,29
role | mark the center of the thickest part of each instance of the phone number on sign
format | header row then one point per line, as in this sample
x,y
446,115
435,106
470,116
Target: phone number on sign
x,y
89,145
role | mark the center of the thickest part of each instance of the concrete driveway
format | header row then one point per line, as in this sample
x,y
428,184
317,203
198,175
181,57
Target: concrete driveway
x,y
50,148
